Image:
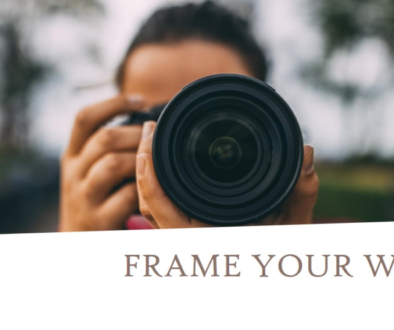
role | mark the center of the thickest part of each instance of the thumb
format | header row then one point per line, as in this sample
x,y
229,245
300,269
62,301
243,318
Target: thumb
x,y
155,201
300,204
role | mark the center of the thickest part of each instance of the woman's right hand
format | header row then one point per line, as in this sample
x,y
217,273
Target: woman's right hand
x,y
95,166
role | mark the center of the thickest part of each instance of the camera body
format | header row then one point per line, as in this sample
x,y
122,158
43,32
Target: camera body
x,y
227,149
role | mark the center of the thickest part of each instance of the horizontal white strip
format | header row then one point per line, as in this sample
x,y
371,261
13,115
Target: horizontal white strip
x,y
77,280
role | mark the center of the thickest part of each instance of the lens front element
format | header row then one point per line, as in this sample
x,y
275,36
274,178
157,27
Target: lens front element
x,y
222,147
227,150
225,153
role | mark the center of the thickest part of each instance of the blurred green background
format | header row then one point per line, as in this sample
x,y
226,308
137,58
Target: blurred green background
x,y
360,191
332,60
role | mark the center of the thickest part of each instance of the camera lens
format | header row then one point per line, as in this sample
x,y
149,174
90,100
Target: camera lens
x,y
222,148
227,150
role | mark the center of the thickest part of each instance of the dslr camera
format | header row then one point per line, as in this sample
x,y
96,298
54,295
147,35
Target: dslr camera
x,y
227,149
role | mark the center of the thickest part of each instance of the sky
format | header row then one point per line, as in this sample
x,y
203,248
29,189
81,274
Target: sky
x,y
282,26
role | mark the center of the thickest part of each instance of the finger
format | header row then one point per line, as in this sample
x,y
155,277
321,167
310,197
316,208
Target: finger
x,y
158,205
144,210
163,211
108,140
145,146
91,118
147,137
119,207
299,207
106,174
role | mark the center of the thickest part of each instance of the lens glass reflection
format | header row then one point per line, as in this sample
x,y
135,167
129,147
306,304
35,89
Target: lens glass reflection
x,y
225,151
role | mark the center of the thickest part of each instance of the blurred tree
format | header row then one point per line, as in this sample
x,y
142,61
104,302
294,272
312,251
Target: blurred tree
x,y
345,25
21,71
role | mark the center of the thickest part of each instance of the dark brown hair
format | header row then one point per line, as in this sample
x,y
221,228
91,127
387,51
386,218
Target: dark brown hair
x,y
207,21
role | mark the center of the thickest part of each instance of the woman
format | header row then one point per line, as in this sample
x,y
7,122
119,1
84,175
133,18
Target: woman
x,y
175,46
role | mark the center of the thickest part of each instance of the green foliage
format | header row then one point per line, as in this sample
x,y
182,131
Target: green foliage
x,y
21,72
346,26
356,204
345,23
358,192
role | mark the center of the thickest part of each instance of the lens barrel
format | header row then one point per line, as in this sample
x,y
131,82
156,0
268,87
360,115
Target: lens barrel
x,y
227,150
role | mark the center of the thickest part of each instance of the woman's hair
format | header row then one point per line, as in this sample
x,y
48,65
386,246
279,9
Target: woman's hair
x,y
206,21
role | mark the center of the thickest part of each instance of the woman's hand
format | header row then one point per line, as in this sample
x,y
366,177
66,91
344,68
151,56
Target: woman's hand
x,y
298,208
158,208
95,166
153,202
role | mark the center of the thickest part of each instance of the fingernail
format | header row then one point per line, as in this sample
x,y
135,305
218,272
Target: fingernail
x,y
140,165
135,100
309,166
147,129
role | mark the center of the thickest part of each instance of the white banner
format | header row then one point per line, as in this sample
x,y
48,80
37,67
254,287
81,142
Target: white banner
x,y
274,277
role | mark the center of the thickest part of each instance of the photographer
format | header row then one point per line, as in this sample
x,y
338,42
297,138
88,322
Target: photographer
x,y
108,174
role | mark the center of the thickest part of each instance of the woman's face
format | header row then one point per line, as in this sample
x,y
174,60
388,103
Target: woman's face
x,y
160,71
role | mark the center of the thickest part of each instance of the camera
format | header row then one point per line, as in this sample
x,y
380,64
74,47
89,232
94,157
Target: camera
x,y
227,149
